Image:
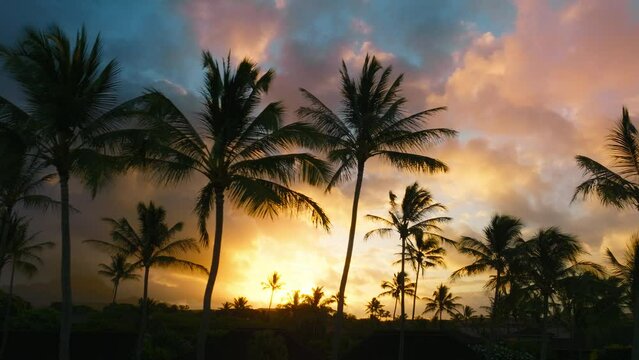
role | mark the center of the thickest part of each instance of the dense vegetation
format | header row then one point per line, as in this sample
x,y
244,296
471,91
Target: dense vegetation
x,y
548,300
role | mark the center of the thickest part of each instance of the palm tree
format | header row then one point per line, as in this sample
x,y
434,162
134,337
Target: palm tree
x,y
239,153
375,309
294,300
22,253
616,186
152,244
394,288
494,252
442,301
627,270
273,283
241,303
410,219
373,124
119,269
317,300
70,123
467,313
424,254
226,306
552,257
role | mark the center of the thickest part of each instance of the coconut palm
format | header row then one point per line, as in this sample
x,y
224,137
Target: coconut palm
x,y
553,256
424,254
627,270
493,252
226,306
238,151
153,244
241,303
442,301
375,309
372,124
273,283
410,220
617,185
70,123
294,300
22,253
118,270
394,288
317,299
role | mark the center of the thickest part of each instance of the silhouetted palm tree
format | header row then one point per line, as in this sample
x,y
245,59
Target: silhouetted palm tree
x,y
372,124
152,244
424,254
627,270
317,299
493,252
226,306
70,123
119,269
394,288
375,309
552,256
616,186
442,301
410,220
294,300
22,253
239,154
241,303
273,283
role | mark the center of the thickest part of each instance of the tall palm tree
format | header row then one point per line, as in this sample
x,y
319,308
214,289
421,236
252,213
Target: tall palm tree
x,y
238,151
394,288
410,220
152,244
70,123
616,186
273,283
372,124
627,270
442,301
22,253
552,256
424,254
241,303
493,252
118,270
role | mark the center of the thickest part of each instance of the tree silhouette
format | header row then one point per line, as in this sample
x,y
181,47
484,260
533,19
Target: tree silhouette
x,y
294,300
373,124
442,301
410,220
22,253
424,254
152,244
317,299
273,283
241,303
119,269
627,270
616,186
394,288
493,252
70,123
375,309
239,154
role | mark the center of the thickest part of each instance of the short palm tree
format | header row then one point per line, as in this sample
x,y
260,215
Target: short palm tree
x,y
372,124
22,254
273,283
294,300
375,309
552,256
442,302
226,306
70,123
494,252
118,270
241,303
616,186
153,244
627,270
394,288
317,299
239,153
410,220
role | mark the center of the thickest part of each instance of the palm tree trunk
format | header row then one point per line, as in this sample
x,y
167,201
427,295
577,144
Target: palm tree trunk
x,y
65,271
543,353
270,301
4,225
635,336
215,263
395,308
115,291
143,319
339,314
415,294
402,320
493,320
7,313
439,323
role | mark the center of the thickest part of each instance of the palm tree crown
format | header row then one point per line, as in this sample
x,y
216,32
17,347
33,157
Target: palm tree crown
x,y
627,270
273,283
117,270
442,301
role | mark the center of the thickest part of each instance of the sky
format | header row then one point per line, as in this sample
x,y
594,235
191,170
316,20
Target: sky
x,y
528,84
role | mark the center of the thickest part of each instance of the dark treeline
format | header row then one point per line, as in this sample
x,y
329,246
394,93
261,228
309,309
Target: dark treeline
x,y
543,290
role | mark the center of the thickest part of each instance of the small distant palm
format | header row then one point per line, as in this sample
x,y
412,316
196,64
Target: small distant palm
x,y
22,253
294,300
226,306
118,270
442,302
627,270
241,303
273,283
394,288
375,309
152,244
317,299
